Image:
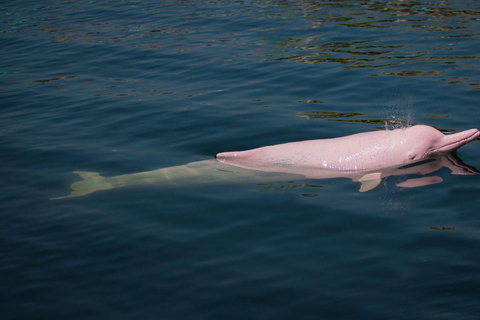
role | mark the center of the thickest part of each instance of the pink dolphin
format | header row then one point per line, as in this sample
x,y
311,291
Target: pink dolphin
x,y
364,157
355,153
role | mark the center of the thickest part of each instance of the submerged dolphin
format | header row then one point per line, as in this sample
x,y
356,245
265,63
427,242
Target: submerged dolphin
x,y
365,157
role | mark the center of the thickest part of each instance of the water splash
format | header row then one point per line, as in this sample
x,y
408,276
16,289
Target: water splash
x,y
399,111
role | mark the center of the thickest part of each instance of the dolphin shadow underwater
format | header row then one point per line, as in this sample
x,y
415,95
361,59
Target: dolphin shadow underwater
x,y
364,157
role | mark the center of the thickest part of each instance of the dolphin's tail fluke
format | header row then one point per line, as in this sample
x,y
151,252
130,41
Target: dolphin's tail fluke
x,y
92,182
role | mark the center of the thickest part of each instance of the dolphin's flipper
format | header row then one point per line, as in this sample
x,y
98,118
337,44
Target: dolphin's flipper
x,y
370,181
91,183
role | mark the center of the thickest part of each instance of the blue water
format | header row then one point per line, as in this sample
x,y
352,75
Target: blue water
x,y
121,87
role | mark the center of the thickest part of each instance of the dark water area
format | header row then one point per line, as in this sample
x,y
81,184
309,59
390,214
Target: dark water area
x,y
119,87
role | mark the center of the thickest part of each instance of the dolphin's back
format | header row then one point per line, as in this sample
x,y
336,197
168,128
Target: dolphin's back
x,y
361,151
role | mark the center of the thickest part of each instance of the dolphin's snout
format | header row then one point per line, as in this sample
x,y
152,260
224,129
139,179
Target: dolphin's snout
x,y
465,136
475,134
454,141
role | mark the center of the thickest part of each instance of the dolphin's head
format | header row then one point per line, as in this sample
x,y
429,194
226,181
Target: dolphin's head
x,y
426,141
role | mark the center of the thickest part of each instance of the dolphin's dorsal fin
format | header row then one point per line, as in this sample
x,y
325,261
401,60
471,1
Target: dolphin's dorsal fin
x,y
88,175
370,181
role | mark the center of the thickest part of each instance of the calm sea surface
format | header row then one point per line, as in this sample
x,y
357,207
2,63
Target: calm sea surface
x,y
119,87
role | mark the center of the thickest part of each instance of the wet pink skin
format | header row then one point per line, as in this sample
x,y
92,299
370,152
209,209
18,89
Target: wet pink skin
x,y
359,152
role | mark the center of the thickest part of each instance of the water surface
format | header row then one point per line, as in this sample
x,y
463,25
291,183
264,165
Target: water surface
x,y
120,87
